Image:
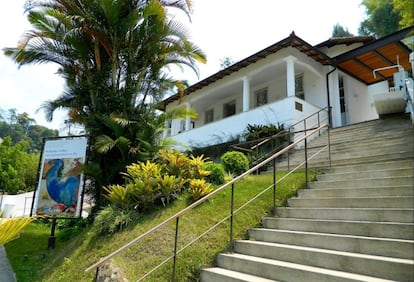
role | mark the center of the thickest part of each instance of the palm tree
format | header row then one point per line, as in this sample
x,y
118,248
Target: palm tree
x,y
114,57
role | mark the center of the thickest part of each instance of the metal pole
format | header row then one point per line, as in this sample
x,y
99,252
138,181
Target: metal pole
x,y
329,146
175,248
231,217
306,155
52,238
319,123
96,274
274,187
288,160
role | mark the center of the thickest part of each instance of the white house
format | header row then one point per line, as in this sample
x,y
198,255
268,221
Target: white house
x,y
290,80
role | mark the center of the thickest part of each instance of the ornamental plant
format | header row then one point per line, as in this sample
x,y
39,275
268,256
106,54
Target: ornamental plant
x,y
156,182
199,188
235,162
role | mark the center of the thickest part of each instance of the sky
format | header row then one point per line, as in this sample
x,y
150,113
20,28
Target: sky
x,y
221,28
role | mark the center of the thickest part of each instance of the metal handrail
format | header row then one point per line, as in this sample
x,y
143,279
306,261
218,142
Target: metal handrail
x,y
205,198
287,131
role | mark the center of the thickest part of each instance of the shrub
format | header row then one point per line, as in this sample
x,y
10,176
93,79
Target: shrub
x,y
156,182
216,173
235,162
111,220
199,188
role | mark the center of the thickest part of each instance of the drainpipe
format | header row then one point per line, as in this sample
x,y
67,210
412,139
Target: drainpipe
x,y
329,98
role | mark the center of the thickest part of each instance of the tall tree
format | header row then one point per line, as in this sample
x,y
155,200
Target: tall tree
x,y
406,10
114,57
340,31
385,16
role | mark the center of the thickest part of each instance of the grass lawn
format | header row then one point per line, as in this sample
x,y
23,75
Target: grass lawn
x,y
32,262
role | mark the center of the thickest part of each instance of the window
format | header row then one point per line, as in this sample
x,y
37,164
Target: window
x,y
342,94
209,116
299,91
182,126
229,109
261,97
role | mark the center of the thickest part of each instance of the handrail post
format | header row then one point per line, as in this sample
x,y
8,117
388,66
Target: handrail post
x,y
288,160
306,156
96,274
319,122
274,187
231,217
329,146
175,248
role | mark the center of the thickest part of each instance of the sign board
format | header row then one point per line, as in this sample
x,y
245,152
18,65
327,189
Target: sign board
x,y
60,183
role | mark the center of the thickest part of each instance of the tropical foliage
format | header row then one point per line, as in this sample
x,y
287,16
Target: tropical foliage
x,y
385,17
199,188
114,57
10,228
18,169
157,182
21,127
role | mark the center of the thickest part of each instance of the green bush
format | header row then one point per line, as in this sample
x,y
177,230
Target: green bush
x,y
216,173
235,162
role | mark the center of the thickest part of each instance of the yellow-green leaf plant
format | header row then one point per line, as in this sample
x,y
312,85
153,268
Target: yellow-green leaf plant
x,y
10,228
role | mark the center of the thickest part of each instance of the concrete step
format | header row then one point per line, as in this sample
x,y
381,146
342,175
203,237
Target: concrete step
x,y
347,214
352,153
354,202
363,138
322,160
360,142
373,130
356,192
391,172
395,248
356,223
359,228
344,140
403,164
217,274
378,266
286,271
364,182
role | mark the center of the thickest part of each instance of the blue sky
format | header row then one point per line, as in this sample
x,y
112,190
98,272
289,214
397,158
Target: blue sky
x,y
221,28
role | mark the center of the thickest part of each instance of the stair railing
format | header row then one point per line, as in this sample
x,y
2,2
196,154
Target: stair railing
x,y
233,211
290,131
409,96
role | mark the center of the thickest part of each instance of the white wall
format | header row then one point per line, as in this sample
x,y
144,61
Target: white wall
x,y
360,102
213,133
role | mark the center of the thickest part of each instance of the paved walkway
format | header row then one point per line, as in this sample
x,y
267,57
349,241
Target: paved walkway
x,y
6,271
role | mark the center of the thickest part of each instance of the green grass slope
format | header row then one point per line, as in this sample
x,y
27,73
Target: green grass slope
x,y
74,253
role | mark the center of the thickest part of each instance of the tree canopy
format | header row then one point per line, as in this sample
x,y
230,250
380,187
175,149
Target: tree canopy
x,y
340,31
115,58
385,17
21,127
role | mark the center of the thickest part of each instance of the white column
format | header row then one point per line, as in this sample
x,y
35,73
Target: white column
x,y
335,99
246,94
165,131
187,119
290,76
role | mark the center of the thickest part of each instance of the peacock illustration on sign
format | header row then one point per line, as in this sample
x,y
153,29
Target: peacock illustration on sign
x,y
60,185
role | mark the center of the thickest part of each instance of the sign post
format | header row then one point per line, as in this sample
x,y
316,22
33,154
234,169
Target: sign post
x,y
60,183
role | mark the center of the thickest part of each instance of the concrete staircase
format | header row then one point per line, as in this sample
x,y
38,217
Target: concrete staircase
x,y
355,223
